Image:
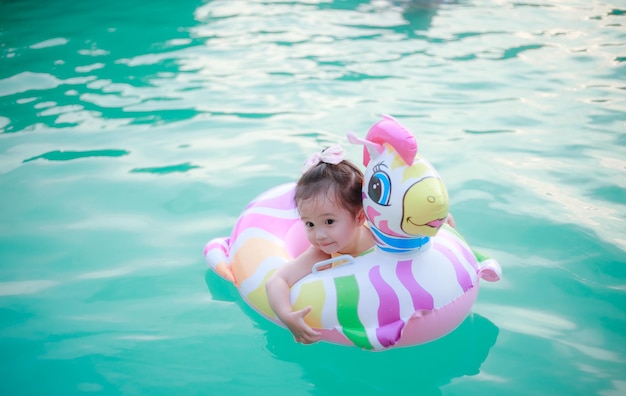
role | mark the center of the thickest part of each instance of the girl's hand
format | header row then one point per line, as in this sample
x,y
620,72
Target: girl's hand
x,y
301,331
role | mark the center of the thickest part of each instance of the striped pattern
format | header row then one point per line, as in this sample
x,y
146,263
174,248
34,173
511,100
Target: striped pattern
x,y
369,302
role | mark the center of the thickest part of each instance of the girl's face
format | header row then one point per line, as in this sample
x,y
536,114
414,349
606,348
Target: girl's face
x,y
329,227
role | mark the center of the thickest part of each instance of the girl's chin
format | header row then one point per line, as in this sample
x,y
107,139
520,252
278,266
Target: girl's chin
x,y
330,249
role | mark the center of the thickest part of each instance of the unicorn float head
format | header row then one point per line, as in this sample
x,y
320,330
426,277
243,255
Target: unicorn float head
x,y
404,199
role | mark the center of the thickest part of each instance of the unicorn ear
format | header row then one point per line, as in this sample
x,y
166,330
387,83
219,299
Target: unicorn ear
x,y
370,149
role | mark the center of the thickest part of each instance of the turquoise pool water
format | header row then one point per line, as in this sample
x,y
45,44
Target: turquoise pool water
x,y
131,133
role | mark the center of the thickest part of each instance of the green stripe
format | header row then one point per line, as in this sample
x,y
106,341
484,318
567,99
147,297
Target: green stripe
x,y
480,256
347,312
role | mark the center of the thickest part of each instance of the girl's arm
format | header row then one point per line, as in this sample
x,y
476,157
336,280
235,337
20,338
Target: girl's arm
x,y
278,287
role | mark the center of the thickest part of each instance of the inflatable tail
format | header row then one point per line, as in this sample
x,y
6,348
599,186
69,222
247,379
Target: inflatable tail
x,y
216,255
489,270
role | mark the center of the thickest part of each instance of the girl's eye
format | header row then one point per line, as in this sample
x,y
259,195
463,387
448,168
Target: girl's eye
x,y
308,224
330,221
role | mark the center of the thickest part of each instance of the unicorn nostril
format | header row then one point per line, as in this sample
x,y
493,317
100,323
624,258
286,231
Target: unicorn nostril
x,y
431,199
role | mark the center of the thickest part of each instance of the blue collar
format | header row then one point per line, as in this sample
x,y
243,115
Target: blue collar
x,y
393,244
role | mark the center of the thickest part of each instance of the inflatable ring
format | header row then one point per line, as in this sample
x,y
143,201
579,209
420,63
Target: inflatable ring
x,y
417,284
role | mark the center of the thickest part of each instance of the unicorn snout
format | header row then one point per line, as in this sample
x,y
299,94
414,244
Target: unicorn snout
x,y
425,207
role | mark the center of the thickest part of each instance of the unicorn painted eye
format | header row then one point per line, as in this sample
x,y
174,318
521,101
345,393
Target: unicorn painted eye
x,y
379,188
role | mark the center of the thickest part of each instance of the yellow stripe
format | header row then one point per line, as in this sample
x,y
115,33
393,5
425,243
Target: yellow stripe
x,y
258,297
312,294
251,254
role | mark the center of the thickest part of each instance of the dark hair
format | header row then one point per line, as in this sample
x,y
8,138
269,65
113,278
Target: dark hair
x,y
342,183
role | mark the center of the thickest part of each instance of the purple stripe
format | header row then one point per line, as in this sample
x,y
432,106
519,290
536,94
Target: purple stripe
x,y
464,279
389,323
421,298
465,251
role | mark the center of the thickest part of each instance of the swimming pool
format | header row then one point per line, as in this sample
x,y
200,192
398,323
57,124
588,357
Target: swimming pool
x,y
132,133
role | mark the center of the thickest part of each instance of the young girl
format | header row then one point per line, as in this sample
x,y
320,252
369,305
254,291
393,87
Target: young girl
x,y
329,199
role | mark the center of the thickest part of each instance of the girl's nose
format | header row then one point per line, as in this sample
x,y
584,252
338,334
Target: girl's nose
x,y
321,234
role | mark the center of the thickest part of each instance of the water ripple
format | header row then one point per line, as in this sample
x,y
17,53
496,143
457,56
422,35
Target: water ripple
x,y
162,170
59,155
126,143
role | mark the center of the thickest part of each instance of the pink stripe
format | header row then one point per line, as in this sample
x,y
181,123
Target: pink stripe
x,y
389,322
467,254
219,244
421,298
274,225
384,227
372,214
462,277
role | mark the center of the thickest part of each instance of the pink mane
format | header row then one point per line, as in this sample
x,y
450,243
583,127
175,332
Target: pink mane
x,y
388,130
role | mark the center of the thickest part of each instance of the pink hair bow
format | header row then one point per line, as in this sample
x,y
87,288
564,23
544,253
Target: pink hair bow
x,y
330,155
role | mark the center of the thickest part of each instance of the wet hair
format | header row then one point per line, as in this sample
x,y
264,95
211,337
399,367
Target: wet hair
x,y
342,183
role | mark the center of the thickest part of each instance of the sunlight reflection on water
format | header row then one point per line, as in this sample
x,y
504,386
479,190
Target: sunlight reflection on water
x,y
126,144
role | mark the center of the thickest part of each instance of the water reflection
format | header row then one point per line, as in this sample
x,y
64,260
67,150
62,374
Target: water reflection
x,y
418,13
61,155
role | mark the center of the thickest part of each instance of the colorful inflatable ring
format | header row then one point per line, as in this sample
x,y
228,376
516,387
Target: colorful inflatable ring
x,y
418,284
